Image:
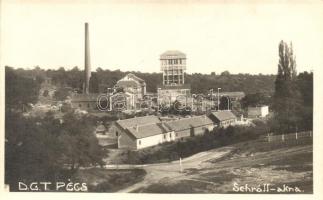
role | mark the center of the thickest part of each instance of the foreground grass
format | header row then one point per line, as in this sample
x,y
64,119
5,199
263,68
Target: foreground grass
x,y
107,180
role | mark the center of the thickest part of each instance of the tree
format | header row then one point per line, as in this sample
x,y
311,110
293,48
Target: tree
x,y
305,86
79,143
61,94
286,97
255,99
40,149
20,90
94,83
225,73
32,150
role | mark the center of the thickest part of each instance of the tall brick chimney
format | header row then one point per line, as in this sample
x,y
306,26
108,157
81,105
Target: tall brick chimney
x,y
87,61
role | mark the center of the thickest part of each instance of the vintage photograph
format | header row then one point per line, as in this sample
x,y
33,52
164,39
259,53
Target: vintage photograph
x,y
159,97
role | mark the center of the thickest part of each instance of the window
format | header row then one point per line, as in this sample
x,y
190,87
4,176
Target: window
x,y
80,105
139,141
117,134
88,105
164,136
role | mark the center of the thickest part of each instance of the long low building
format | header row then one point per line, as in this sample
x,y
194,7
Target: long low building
x,y
189,127
145,136
138,132
141,132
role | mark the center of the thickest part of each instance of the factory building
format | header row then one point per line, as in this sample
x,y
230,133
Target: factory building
x,y
134,87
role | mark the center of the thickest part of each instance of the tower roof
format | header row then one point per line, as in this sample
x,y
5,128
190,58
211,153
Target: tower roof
x,y
172,54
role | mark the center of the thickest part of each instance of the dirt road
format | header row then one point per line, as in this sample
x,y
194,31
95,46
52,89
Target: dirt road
x,y
172,170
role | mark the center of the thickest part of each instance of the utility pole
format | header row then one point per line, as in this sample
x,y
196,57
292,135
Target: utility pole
x,y
219,98
211,92
228,98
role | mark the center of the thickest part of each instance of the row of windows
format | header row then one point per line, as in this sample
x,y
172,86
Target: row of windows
x,y
170,71
173,61
174,76
175,82
175,73
227,122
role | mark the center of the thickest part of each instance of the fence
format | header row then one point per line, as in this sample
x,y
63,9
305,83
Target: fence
x,y
289,136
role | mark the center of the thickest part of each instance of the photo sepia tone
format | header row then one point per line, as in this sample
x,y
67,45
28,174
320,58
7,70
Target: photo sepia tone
x,y
159,102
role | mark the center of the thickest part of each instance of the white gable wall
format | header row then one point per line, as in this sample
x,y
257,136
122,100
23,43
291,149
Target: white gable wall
x,y
155,140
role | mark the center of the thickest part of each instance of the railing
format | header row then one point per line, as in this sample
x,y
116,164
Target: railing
x,y
289,136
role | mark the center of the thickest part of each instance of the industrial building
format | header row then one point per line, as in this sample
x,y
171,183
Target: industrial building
x,y
141,132
192,126
133,84
173,66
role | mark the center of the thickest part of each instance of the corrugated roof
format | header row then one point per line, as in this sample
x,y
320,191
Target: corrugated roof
x,y
147,130
186,123
223,115
172,53
140,121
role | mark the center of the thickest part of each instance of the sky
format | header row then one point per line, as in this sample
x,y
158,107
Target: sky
x,y
131,35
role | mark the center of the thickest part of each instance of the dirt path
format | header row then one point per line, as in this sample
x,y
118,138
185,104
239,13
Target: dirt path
x,y
214,169
159,172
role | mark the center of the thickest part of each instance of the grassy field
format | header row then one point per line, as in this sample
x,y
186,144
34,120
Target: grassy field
x,y
253,163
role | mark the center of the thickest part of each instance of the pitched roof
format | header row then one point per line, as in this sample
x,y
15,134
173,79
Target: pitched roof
x,y
186,123
140,121
223,115
173,54
135,77
132,77
147,130
130,83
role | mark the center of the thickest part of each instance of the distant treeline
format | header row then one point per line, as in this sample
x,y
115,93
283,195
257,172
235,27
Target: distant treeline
x,y
200,83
